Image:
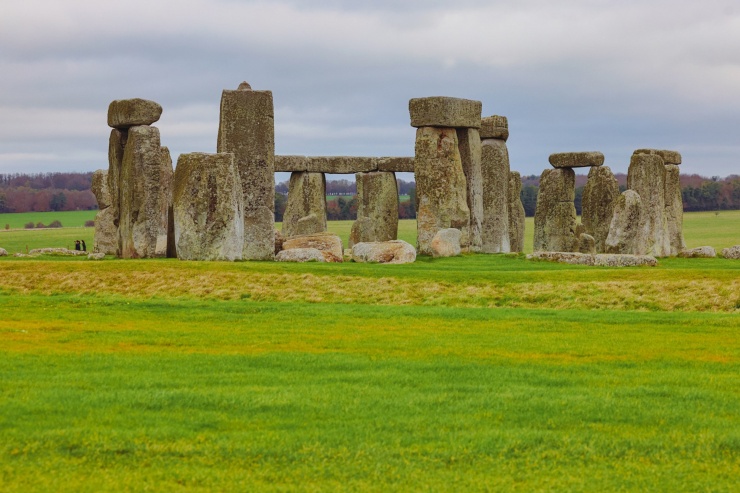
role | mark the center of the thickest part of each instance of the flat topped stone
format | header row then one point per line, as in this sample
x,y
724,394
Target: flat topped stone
x,y
668,157
576,159
125,113
494,127
440,111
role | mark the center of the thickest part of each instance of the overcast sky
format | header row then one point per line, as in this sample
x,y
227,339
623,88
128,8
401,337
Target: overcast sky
x,y
571,75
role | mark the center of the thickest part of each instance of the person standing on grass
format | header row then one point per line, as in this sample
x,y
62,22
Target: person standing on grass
x,y
77,245
84,247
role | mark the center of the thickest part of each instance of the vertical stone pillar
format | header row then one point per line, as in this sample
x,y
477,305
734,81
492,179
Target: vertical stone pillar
x,y
208,207
646,176
305,211
495,172
377,208
597,209
106,232
469,143
247,129
674,209
516,213
441,184
555,216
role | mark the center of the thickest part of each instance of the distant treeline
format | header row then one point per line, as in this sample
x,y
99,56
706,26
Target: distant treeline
x,y
42,192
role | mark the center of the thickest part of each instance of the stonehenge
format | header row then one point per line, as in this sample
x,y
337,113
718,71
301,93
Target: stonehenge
x,y
220,206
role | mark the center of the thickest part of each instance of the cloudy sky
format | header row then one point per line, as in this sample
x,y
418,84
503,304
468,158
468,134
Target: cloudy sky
x,y
570,75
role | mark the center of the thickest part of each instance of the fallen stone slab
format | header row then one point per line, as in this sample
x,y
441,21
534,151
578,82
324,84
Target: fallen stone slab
x,y
3,252
440,111
96,256
668,157
125,113
576,159
328,243
494,127
446,243
573,258
57,251
384,252
300,255
698,252
732,252
600,260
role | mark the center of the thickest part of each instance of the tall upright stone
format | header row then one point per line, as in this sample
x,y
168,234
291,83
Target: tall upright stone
x,y
495,170
646,176
625,224
208,207
597,205
116,147
516,213
247,129
469,143
441,184
555,216
106,232
674,209
305,211
145,190
377,208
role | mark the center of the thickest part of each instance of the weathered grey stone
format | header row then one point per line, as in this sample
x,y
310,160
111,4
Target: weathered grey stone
x,y
495,173
377,208
291,163
698,252
96,256
586,244
386,252
208,207
279,239
668,157
305,211
246,129
99,188
625,224
646,176
440,111
516,213
145,195
106,232
674,209
597,205
732,252
617,260
64,252
396,164
3,252
341,165
441,197
573,258
116,147
300,255
555,216
576,159
125,113
470,154
494,127
328,243
446,243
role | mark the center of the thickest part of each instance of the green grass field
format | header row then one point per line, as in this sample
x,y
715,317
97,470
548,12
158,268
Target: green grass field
x,y
475,373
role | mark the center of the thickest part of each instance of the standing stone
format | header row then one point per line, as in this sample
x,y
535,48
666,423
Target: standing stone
x,y
106,232
377,209
516,213
674,209
469,144
208,207
597,209
247,129
145,191
116,147
305,211
441,189
495,171
555,216
646,176
625,224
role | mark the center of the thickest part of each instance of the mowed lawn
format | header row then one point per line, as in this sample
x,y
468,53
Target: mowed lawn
x,y
476,373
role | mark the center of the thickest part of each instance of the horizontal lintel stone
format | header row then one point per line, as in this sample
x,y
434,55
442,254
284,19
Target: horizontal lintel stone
x,y
576,159
439,111
668,157
343,165
125,113
494,127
